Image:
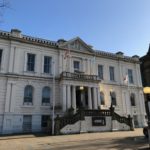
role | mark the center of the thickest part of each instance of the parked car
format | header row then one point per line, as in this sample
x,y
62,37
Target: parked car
x,y
145,131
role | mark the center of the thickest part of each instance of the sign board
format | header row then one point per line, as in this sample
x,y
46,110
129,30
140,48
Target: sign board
x,y
98,121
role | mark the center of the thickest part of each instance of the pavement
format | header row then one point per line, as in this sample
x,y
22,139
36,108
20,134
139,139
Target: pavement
x,y
118,140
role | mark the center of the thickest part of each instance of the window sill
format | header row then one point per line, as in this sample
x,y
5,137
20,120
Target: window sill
x,y
45,104
45,107
28,106
30,72
47,74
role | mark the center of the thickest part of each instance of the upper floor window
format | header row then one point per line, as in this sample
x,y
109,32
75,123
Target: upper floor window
x,y
102,98
130,76
28,94
47,64
30,62
46,95
113,98
76,65
112,74
1,57
100,71
132,99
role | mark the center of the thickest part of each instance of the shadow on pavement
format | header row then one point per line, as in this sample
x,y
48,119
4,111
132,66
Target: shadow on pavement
x,y
22,136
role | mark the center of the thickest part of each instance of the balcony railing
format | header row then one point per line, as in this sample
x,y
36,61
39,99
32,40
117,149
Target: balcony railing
x,y
79,76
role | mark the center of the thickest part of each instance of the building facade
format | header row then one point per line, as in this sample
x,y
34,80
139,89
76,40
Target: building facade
x,y
145,72
31,68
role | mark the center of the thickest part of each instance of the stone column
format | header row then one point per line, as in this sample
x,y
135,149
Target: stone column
x,y
60,63
89,98
8,96
64,97
98,97
95,98
74,98
68,97
11,59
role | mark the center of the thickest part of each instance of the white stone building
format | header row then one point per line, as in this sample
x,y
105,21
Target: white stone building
x,y
94,79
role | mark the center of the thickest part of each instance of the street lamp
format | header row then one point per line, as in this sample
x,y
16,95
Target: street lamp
x,y
81,87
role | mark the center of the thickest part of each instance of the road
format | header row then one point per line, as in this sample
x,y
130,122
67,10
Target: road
x,y
125,140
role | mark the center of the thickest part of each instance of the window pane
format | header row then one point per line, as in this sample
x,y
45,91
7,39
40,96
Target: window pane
x,y
100,71
102,98
130,75
76,65
113,98
46,95
30,62
44,120
111,71
132,99
27,123
28,93
47,64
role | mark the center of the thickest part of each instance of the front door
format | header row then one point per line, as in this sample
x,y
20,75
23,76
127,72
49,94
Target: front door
x,y
81,97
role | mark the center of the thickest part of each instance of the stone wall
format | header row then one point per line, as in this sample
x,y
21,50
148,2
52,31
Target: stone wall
x,y
86,126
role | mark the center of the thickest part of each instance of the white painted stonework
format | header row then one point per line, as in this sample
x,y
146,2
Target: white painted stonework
x,y
86,126
14,77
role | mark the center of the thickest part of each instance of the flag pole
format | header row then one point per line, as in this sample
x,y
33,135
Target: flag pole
x,y
53,113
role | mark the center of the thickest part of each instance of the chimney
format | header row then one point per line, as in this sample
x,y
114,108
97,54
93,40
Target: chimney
x,y
136,57
119,54
16,33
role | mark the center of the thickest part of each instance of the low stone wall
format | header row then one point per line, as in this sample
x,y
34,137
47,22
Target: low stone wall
x,y
117,126
87,126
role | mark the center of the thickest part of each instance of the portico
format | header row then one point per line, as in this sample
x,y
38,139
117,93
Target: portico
x,y
79,94
74,97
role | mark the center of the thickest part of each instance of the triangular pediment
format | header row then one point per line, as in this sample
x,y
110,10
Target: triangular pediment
x,y
77,44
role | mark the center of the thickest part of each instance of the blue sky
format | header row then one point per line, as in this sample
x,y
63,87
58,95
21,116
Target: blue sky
x,y
109,25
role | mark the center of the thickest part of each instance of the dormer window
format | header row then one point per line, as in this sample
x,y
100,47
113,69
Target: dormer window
x,y
76,65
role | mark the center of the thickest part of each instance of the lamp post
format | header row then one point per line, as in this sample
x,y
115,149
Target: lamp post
x,y
146,91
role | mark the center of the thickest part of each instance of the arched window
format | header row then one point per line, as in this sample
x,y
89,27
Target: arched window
x,y
46,95
28,94
102,98
132,99
113,98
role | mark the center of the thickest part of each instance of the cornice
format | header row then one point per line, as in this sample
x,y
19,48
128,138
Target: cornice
x,y
53,44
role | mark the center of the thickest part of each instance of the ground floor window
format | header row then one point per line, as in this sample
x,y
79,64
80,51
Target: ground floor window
x,y
45,120
135,119
27,123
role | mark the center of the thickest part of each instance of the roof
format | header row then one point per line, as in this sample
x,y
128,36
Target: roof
x,y
15,34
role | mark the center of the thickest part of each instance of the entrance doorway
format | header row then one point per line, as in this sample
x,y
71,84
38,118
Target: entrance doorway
x,y
81,97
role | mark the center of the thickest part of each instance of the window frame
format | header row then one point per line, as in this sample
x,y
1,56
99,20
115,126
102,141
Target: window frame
x,y
49,66
130,76
46,100
76,69
30,65
113,98
102,96
28,99
44,121
132,99
101,71
112,73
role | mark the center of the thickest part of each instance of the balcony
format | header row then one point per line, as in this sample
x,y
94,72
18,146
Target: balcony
x,y
79,77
